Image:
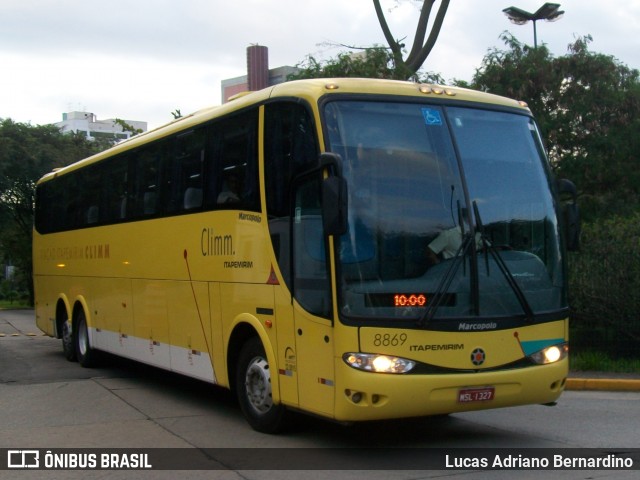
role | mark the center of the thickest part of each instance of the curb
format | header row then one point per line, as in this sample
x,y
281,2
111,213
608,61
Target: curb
x,y
612,385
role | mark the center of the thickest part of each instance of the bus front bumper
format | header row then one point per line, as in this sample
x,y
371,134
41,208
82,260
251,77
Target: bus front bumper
x,y
362,396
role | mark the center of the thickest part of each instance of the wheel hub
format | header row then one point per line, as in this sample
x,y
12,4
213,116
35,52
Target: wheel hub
x,y
83,340
258,384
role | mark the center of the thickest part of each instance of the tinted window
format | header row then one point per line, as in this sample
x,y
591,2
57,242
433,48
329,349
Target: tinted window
x,y
214,166
290,149
236,162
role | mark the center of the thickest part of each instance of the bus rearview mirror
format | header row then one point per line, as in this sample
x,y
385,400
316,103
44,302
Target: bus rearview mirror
x,y
570,212
334,206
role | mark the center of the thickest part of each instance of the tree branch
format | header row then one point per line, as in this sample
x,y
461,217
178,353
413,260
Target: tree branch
x,y
417,62
393,44
421,30
352,47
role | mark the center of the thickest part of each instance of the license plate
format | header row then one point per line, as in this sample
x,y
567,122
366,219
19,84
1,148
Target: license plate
x,y
481,394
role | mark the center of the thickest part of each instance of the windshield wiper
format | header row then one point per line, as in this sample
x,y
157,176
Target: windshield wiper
x,y
495,254
445,282
468,244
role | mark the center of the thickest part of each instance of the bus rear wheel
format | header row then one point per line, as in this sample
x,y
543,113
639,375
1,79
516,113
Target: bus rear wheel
x,y
253,387
87,356
68,344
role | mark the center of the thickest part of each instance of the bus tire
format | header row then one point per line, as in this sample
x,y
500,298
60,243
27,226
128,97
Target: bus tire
x,y
68,343
253,387
87,356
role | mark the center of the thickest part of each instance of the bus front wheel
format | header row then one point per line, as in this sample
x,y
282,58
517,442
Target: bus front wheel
x,y
86,355
253,387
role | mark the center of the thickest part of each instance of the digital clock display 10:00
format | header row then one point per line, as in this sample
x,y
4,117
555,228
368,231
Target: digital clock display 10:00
x,y
409,300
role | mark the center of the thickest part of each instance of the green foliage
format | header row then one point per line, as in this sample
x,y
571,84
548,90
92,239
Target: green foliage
x,y
127,127
596,361
8,291
26,153
392,62
605,286
375,62
587,105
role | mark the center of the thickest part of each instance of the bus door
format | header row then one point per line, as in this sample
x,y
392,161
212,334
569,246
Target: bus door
x,y
312,300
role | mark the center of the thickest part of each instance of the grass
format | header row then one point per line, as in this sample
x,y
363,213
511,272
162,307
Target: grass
x,y
601,362
14,305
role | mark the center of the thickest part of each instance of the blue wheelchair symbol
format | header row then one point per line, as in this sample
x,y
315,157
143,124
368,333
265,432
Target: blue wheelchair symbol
x,y
431,116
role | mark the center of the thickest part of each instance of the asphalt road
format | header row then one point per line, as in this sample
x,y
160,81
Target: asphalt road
x,y
47,402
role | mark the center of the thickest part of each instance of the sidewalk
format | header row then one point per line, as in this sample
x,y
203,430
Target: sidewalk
x,y
22,323
618,382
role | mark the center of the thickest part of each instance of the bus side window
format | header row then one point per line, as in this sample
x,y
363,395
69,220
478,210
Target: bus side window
x,y
148,176
73,214
43,215
187,171
235,169
90,189
311,284
116,188
51,213
290,148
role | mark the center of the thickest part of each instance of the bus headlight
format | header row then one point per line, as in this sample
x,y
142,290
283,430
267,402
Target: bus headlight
x,y
550,354
372,362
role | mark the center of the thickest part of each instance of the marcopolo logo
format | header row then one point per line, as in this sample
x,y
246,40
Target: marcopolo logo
x,y
464,326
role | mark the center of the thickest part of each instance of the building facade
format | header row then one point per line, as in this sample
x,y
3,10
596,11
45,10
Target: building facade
x,y
258,75
88,124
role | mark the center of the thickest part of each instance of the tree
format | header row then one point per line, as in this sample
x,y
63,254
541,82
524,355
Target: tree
x,y
407,67
371,63
379,61
26,153
587,105
374,62
127,127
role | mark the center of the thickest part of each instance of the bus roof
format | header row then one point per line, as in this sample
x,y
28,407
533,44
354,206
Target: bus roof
x,y
310,90
316,88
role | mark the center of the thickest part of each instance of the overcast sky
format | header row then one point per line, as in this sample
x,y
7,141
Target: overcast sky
x,y
142,59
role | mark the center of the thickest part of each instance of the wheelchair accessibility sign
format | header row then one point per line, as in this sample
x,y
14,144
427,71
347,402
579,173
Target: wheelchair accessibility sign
x,y
432,116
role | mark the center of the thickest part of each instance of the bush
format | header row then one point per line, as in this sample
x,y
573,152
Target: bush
x,y
604,287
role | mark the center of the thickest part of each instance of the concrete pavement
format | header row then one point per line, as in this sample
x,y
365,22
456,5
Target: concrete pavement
x,y
22,323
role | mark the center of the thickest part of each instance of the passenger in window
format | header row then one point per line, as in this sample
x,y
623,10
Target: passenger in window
x,y
231,189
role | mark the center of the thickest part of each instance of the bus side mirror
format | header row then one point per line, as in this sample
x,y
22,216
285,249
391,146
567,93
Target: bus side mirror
x,y
570,213
334,195
334,206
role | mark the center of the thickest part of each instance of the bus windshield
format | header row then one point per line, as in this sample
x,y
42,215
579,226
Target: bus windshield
x,y
445,202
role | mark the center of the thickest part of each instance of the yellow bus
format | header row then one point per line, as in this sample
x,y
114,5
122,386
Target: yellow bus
x,y
355,249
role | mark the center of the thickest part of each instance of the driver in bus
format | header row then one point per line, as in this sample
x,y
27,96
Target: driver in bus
x,y
447,244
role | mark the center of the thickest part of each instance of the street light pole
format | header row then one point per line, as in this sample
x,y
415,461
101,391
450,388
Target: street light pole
x,y
548,12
